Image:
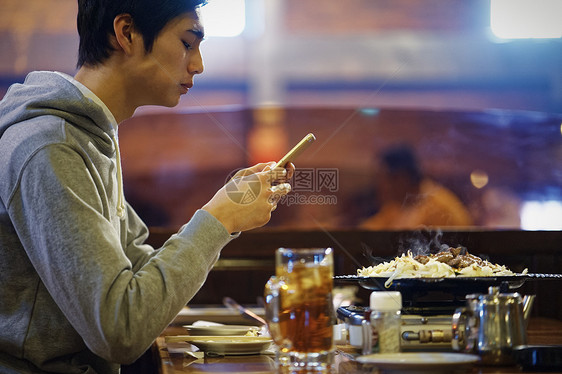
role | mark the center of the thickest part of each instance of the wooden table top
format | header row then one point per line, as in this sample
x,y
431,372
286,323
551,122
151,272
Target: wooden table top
x,y
179,357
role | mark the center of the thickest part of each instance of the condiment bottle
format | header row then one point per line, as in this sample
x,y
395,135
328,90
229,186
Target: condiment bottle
x,y
356,330
386,321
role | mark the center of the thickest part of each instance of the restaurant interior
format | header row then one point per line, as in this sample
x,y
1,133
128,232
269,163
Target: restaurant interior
x,y
480,108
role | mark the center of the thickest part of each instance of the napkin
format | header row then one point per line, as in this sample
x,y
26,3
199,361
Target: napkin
x,y
206,324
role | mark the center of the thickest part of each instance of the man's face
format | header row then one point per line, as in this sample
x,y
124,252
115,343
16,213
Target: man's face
x,y
167,71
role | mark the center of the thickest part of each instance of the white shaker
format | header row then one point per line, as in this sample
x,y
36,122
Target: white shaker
x,y
385,320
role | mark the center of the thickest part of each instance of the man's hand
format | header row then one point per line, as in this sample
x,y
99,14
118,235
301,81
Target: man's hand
x,y
247,200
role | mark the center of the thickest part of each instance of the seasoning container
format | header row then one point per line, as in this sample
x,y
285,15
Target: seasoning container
x,y
385,320
356,330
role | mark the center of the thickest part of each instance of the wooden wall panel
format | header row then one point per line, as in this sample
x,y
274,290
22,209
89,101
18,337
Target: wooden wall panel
x,y
176,162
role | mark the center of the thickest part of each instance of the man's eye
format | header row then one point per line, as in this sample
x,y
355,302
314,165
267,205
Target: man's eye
x,y
186,45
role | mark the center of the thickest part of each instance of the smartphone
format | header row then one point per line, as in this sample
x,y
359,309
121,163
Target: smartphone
x,y
297,149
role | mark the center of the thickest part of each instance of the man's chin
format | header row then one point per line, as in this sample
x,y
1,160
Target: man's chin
x,y
163,103
169,102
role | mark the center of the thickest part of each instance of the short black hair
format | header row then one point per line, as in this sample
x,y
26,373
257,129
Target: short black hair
x,y
401,158
95,23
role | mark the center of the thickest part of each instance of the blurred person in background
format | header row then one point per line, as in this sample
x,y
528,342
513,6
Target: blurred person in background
x,y
80,290
498,208
407,199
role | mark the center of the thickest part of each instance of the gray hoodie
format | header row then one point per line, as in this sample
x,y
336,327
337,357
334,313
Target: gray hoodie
x,y
80,292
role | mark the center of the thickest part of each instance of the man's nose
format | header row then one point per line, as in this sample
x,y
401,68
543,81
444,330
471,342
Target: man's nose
x,y
195,65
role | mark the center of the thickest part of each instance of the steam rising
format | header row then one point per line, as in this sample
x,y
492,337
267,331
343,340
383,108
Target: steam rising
x,y
424,242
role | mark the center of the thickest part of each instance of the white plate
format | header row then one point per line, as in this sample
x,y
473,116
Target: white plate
x,y
220,330
418,362
231,345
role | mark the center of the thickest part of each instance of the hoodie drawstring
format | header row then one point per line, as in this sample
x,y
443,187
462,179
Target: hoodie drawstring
x,y
120,193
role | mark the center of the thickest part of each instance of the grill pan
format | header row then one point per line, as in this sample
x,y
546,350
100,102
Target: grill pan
x,y
442,295
462,284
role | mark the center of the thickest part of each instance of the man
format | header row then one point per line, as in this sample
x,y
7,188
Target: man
x,y
410,200
80,291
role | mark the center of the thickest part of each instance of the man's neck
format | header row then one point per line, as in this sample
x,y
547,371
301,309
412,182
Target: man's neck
x,y
109,86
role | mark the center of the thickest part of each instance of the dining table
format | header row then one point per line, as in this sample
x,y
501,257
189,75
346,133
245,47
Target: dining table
x,y
173,356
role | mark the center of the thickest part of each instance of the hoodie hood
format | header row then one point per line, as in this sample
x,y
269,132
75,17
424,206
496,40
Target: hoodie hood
x,y
48,93
51,94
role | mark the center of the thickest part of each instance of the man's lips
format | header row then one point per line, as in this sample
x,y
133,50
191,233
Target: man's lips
x,y
185,87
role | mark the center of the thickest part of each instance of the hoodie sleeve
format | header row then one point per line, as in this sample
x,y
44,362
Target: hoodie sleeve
x,y
138,252
117,292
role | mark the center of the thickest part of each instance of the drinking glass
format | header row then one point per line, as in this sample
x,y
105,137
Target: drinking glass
x,y
299,308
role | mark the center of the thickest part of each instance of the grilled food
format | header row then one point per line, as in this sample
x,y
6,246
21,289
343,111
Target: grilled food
x,y
452,262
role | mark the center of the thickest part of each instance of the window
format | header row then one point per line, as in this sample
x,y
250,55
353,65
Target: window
x,y
224,17
541,215
515,19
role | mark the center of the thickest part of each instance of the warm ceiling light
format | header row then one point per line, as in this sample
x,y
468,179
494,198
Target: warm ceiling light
x,y
479,178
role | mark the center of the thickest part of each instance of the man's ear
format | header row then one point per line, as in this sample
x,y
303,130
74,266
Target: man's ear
x,y
126,38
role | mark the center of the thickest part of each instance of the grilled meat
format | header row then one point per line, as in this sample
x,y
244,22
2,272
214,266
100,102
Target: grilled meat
x,y
456,258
